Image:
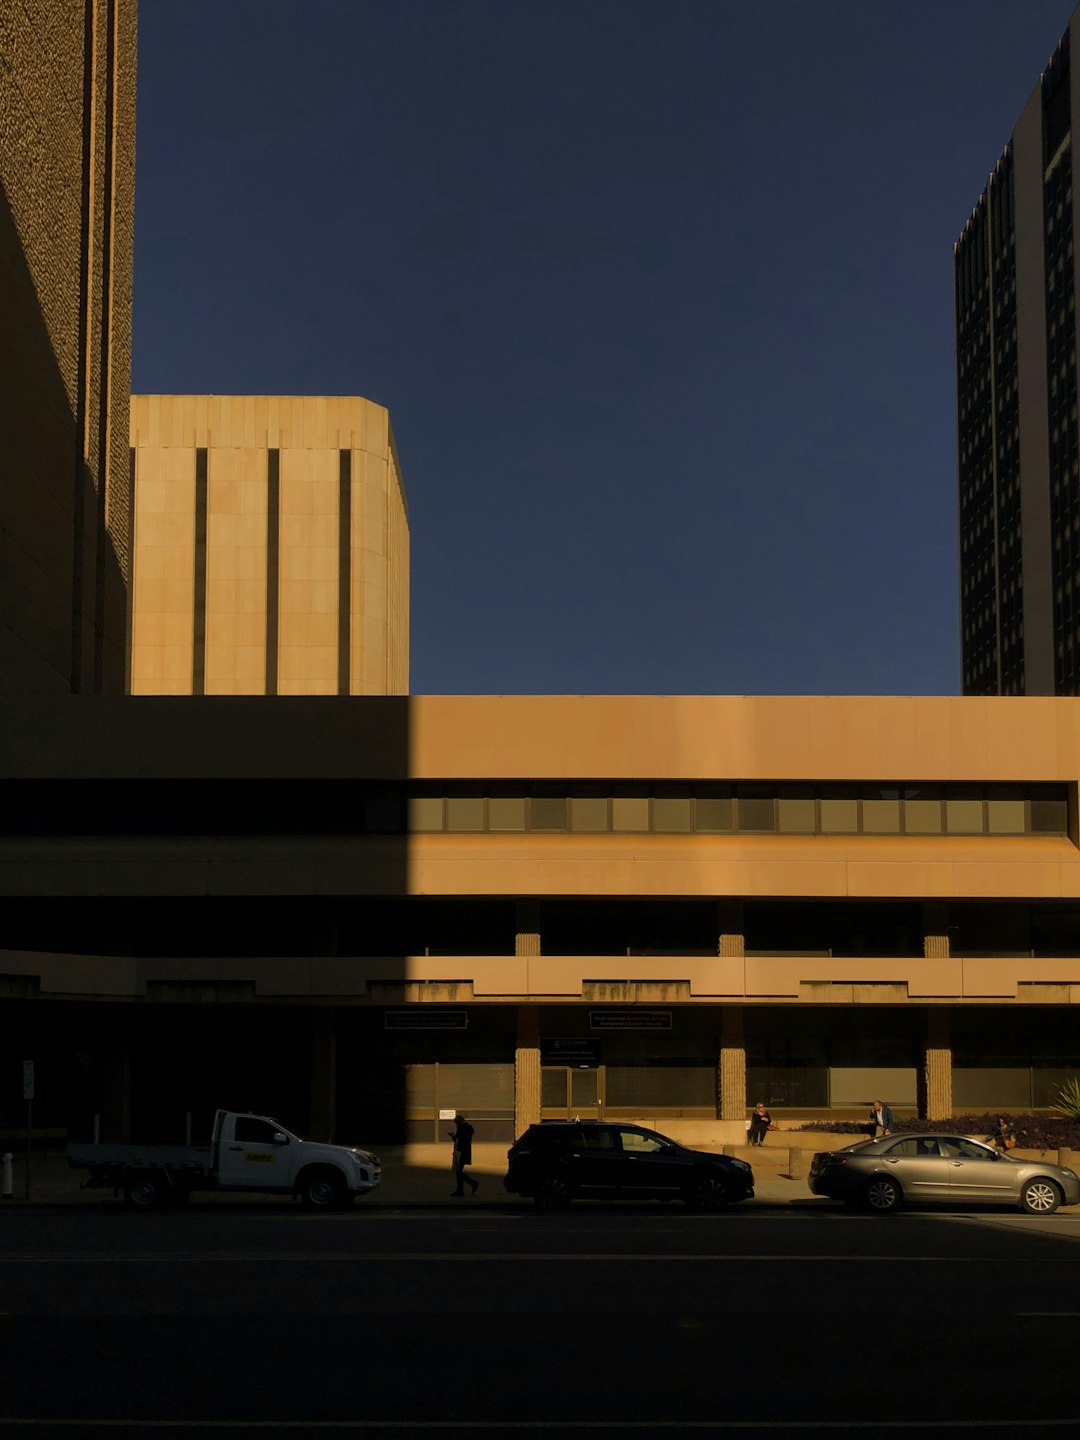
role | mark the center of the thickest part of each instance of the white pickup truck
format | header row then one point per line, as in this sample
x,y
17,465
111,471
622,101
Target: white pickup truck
x,y
246,1152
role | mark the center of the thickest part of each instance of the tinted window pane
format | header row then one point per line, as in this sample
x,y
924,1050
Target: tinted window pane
x,y
1006,817
923,817
671,814
1049,817
964,817
426,813
506,813
464,813
547,814
588,814
839,817
713,815
630,814
756,815
881,817
796,816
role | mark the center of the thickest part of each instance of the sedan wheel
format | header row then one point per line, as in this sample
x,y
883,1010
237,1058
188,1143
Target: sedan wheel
x,y
1040,1197
883,1194
707,1193
552,1194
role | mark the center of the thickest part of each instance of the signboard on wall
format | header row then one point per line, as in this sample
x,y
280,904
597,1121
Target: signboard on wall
x,y
629,1019
580,1052
426,1020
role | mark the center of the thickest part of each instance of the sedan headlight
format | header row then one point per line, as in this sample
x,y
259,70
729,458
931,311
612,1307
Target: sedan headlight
x,y
739,1165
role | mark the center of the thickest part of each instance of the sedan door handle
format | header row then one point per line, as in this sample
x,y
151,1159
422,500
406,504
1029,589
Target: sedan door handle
x,y
236,1147
956,1164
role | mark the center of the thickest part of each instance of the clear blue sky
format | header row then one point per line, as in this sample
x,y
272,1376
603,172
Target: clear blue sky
x,y
658,294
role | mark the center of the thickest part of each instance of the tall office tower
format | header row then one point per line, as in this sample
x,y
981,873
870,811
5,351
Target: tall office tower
x,y
271,547
1015,295
67,179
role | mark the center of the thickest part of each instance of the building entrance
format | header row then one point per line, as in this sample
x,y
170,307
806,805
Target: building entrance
x,y
571,1092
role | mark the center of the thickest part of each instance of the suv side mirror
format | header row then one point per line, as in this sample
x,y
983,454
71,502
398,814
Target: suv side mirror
x,y
279,1138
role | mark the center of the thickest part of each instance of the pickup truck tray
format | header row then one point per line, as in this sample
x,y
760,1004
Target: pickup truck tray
x,y
157,1157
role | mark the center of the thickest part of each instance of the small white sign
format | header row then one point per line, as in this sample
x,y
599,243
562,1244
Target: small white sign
x,y
447,1114
28,1079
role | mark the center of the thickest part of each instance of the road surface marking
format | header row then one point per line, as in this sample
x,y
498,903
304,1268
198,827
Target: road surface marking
x,y
832,1426
621,1257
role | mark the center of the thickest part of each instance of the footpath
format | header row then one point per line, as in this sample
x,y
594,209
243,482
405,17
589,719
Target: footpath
x,y
412,1176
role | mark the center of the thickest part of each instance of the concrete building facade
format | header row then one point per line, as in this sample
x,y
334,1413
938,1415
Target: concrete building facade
x,y
67,165
271,547
357,913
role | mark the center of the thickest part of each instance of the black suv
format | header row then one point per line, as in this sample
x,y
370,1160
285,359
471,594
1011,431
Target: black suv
x,y
559,1161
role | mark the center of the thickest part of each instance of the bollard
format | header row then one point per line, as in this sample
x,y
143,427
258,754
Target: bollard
x,y
796,1164
729,1149
7,1180
1067,1157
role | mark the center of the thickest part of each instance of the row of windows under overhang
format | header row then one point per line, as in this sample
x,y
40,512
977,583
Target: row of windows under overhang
x,y
169,808
175,1065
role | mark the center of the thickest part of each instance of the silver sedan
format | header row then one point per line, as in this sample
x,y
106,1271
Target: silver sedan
x,y
941,1169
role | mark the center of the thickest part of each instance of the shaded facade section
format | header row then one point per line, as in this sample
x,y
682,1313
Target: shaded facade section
x,y
271,547
67,148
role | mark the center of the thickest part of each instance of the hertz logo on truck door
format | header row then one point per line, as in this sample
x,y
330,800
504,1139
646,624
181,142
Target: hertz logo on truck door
x,y
261,1157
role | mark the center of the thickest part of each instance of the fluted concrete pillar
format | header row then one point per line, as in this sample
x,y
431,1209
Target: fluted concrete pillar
x,y
527,1069
116,1099
937,1065
527,938
935,921
732,1069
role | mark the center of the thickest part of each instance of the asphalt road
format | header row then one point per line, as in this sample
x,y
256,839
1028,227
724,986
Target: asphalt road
x,y
235,1320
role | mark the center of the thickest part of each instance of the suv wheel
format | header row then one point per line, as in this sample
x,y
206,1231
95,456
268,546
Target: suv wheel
x,y
707,1193
553,1193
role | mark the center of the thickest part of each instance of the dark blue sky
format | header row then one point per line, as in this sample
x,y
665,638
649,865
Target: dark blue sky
x,y
658,294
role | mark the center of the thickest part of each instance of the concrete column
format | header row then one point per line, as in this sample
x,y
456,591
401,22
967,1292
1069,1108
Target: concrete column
x,y
732,1069
116,1088
731,943
323,1116
527,1069
527,938
935,923
937,1065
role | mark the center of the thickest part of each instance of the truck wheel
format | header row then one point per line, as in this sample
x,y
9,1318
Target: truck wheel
x,y
322,1190
144,1192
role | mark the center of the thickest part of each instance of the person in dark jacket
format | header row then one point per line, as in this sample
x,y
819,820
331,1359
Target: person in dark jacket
x,y
1004,1134
462,1135
880,1119
760,1121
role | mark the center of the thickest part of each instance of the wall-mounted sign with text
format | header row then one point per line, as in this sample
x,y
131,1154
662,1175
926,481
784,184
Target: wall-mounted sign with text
x,y
629,1019
426,1020
585,1054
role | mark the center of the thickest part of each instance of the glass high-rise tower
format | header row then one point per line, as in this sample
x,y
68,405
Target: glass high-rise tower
x,y
1019,487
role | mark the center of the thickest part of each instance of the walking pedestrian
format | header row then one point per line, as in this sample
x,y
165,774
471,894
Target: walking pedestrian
x,y
462,1135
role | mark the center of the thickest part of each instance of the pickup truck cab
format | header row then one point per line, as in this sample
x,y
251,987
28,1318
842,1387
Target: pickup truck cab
x,y
247,1152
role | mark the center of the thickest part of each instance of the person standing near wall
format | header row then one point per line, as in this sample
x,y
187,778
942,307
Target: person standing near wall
x,y
881,1118
462,1135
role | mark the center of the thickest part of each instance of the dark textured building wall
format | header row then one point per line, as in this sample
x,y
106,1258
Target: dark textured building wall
x,y
1034,424
67,146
